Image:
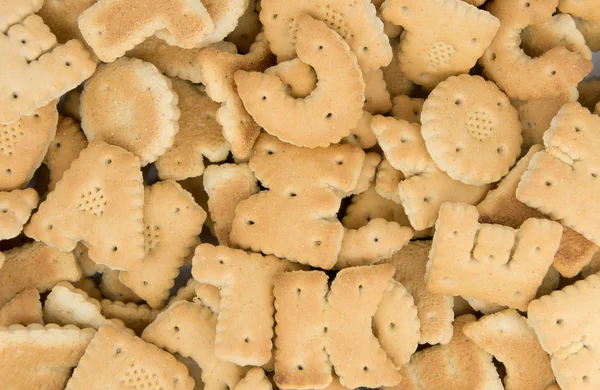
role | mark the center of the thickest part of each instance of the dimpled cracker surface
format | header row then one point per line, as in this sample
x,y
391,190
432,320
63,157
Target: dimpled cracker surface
x,y
426,187
111,27
316,329
173,222
35,265
189,329
567,169
519,75
116,359
508,264
565,323
40,357
296,201
216,72
23,145
332,108
507,336
129,103
68,142
442,38
471,130
35,71
501,206
458,365
199,135
434,310
245,319
15,208
355,21
103,186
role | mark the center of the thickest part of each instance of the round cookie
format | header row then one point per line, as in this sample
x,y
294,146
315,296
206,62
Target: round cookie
x,y
129,103
471,130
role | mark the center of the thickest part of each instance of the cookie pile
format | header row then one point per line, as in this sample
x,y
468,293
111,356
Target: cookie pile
x,y
396,194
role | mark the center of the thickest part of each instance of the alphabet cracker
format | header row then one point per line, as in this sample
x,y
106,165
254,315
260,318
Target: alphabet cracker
x,y
324,116
173,222
23,145
316,329
199,135
101,186
183,23
509,264
189,329
35,70
238,274
129,103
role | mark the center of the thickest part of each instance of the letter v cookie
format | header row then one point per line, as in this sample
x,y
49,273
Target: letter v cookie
x,y
35,70
111,27
173,222
102,186
245,321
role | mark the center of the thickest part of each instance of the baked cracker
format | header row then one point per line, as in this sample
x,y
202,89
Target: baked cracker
x,y
15,208
216,71
184,23
303,204
102,186
567,169
377,240
587,9
88,267
246,285
24,309
369,205
508,337
377,97
300,79
501,206
326,115
458,365
248,27
187,292
362,135
35,265
255,379
200,135
189,329
519,75
40,357
395,80
117,359
135,317
589,93
367,173
565,324
129,103
508,264
471,130
68,142
434,310
90,287
35,70
173,222
440,38
407,108
536,115
113,289
355,22
317,328
23,145
62,17
208,296
69,305
69,104
226,186
396,324
426,187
